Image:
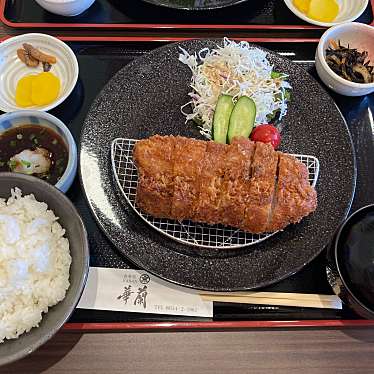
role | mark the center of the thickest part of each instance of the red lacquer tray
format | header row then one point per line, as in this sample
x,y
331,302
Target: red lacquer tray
x,y
251,15
111,54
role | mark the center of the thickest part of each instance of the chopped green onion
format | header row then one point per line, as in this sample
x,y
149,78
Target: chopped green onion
x,y
54,141
12,164
19,136
2,163
13,143
26,163
35,140
32,136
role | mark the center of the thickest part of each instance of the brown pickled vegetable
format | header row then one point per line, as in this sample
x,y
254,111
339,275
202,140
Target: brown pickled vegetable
x,y
26,58
39,55
349,63
31,56
46,67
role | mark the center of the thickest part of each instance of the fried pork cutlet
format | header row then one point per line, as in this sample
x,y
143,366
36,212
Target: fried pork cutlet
x,y
208,208
245,185
262,185
295,198
154,160
188,161
236,186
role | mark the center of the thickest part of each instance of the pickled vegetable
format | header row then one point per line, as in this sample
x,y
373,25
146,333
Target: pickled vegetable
x,y
23,91
319,10
302,5
39,89
45,88
323,10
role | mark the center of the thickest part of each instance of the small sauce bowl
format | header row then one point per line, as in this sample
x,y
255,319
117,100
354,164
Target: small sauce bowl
x,y
36,118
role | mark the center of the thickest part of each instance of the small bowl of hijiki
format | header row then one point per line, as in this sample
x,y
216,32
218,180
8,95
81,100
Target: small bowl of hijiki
x,y
38,144
345,59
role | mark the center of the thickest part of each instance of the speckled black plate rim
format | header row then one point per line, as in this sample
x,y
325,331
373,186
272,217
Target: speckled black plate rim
x,y
199,9
349,206
259,284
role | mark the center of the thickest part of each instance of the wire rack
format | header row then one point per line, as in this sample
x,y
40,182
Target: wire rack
x,y
187,232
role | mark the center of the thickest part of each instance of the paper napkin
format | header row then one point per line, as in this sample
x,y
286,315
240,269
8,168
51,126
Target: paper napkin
x,y
141,292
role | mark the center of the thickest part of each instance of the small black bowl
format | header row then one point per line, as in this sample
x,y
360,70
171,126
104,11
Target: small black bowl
x,y
350,268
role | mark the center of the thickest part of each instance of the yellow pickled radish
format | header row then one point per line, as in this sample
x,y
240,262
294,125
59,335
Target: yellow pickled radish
x,y
23,91
323,10
45,88
302,5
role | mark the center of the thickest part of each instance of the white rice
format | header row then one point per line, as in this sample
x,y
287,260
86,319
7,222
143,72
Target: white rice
x,y
34,263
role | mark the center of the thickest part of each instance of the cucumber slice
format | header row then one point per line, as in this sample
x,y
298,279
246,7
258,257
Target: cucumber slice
x,y
221,118
242,118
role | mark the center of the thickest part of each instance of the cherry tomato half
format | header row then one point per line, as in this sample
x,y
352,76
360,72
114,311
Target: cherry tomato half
x,y
266,134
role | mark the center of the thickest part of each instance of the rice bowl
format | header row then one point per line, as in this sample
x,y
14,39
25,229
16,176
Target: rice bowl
x,y
69,218
34,263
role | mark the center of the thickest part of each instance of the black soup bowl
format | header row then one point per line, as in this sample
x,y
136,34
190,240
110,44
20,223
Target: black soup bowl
x,y
351,262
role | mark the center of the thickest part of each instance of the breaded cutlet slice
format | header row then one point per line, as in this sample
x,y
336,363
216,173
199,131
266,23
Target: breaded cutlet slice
x,y
236,186
189,157
295,198
154,160
262,188
208,208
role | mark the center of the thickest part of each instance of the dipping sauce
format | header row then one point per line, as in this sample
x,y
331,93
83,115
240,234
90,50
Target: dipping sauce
x,y
34,150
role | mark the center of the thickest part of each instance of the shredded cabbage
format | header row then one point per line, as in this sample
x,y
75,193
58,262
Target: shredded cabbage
x,y
235,69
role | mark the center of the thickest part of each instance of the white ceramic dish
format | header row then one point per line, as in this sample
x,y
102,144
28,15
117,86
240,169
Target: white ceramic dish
x,y
12,68
357,35
349,10
24,117
65,7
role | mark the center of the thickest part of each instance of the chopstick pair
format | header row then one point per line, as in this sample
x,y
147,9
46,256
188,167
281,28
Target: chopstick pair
x,y
275,298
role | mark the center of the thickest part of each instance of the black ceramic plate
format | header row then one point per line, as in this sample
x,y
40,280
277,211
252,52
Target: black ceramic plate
x,y
143,99
195,4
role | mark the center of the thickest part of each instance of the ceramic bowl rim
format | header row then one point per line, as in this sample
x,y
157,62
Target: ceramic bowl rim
x,y
71,167
61,45
327,69
305,18
342,227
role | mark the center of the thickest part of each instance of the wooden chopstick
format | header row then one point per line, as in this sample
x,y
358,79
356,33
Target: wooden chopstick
x,y
276,298
275,295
